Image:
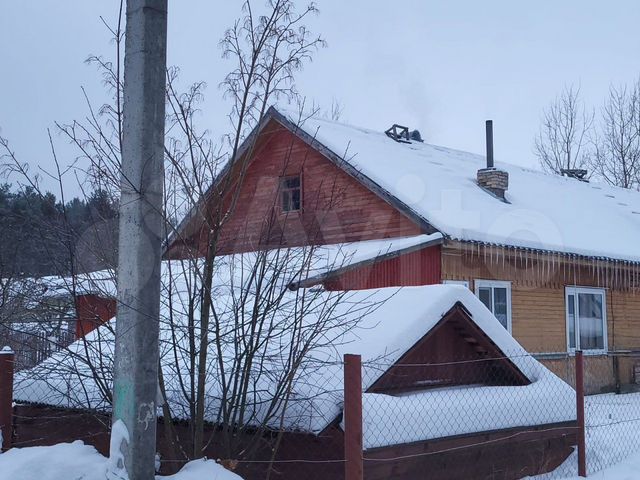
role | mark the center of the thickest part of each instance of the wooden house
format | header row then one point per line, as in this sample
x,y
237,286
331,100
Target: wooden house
x,y
556,259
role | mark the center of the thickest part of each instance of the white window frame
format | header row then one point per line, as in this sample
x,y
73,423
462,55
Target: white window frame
x,y
499,284
575,290
464,283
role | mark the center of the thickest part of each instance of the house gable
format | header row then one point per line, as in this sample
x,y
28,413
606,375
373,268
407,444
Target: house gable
x,y
454,352
336,207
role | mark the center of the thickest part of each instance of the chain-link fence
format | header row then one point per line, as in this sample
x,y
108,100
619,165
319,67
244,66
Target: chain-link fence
x,y
483,416
492,417
291,435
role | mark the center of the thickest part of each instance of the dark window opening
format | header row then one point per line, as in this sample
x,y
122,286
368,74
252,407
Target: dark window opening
x,y
291,193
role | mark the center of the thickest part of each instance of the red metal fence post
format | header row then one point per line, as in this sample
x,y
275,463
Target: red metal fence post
x,y
353,468
6,397
582,454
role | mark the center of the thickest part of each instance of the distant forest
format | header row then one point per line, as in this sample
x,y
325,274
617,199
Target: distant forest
x,y
41,235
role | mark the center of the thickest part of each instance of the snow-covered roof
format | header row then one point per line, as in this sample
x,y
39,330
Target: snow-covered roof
x,y
34,289
395,320
326,258
545,212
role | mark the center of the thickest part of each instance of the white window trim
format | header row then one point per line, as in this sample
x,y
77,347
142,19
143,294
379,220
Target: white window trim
x,y
574,290
478,283
457,282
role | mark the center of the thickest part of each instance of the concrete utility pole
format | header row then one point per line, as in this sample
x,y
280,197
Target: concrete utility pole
x,y
135,391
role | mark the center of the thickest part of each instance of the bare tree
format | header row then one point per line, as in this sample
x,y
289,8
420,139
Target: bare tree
x,y
235,340
562,141
616,156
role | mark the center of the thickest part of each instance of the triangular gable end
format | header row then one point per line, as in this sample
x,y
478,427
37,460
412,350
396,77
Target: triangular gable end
x,y
455,352
339,204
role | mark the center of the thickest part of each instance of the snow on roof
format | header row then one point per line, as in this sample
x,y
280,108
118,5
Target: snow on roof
x,y
336,258
546,212
101,283
395,320
326,258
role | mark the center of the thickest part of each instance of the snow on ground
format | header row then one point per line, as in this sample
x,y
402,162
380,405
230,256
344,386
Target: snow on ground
x,y
629,469
78,461
613,439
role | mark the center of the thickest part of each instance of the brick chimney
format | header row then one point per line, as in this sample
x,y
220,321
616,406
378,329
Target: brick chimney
x,y
490,178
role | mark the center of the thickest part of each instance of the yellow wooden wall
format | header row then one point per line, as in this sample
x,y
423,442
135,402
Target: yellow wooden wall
x,y
538,291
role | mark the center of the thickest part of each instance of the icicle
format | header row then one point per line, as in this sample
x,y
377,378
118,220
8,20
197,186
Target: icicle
x,y
628,281
520,258
549,264
628,270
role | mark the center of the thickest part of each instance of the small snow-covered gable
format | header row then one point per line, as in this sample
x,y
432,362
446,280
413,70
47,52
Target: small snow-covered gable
x,y
546,212
394,321
410,314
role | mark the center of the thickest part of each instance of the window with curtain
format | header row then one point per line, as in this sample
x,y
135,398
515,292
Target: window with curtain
x,y
586,318
291,193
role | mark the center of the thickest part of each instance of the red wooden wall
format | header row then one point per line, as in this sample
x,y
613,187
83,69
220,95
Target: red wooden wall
x,y
336,207
93,311
422,267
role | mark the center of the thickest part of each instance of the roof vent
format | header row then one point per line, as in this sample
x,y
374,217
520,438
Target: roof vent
x,y
577,173
398,133
415,136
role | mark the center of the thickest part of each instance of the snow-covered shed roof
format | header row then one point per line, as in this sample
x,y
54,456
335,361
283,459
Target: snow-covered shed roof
x,y
325,259
395,321
438,185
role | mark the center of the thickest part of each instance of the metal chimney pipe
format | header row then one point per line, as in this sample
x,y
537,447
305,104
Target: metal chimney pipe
x,y
489,125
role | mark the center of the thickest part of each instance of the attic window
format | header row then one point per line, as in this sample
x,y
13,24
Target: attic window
x,y
291,193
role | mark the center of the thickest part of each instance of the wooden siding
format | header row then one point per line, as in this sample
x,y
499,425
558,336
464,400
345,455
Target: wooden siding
x,y
538,292
336,208
421,267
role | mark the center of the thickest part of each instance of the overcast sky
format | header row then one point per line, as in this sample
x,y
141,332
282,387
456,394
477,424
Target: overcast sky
x,y
440,66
